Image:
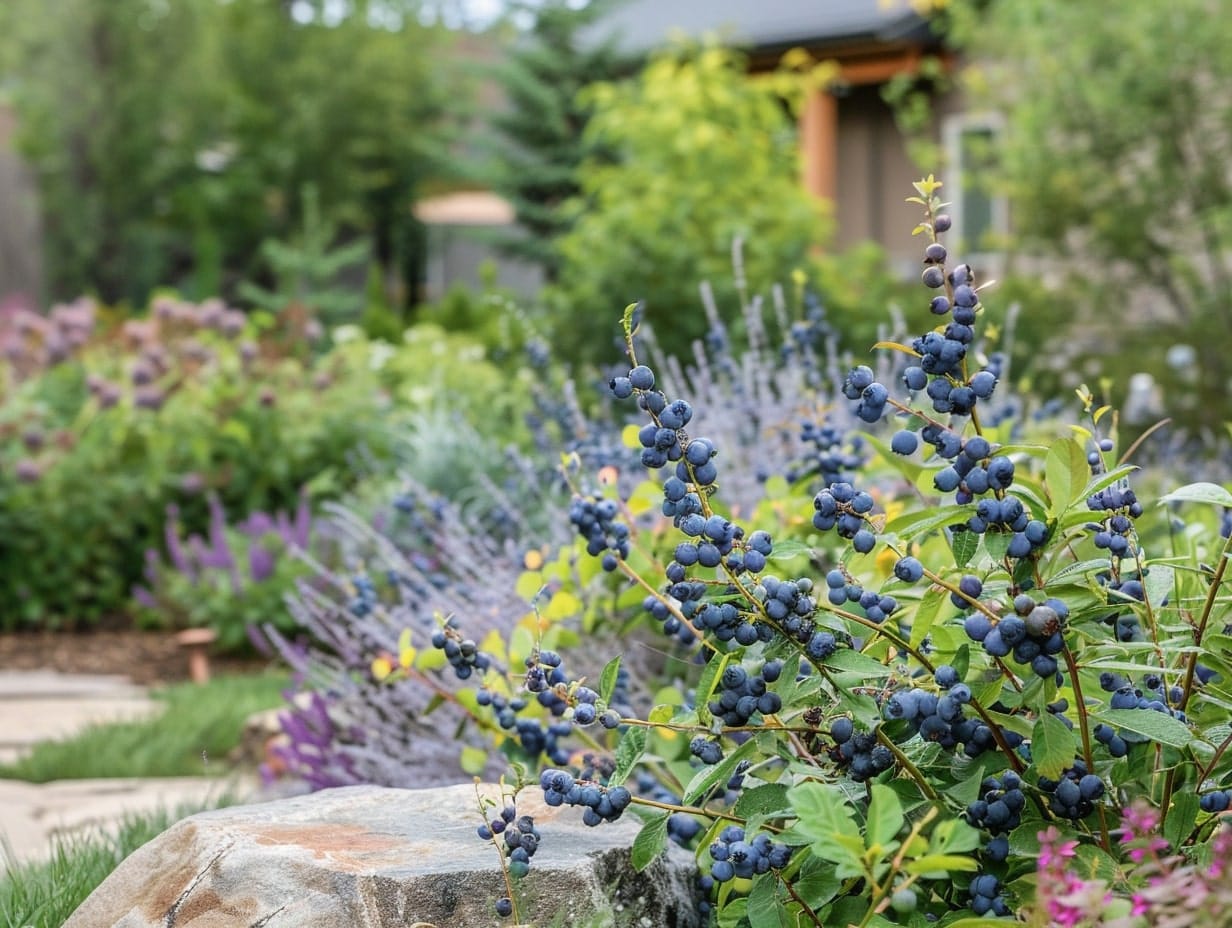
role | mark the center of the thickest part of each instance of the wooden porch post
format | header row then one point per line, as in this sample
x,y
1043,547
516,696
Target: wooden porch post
x,y
819,143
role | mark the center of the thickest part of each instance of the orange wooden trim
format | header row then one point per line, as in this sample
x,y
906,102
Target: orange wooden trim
x,y
819,144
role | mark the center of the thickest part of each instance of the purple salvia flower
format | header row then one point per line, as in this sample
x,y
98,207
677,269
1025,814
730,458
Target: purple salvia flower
x,y
145,597
261,563
175,550
303,522
257,524
218,526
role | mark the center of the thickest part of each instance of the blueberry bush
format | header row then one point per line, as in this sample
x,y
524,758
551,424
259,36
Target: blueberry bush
x,y
954,668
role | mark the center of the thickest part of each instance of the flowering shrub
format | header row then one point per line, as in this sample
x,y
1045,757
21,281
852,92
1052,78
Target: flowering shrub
x,y
908,684
233,580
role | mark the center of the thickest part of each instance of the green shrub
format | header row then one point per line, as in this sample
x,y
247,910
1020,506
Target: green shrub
x,y
700,155
95,446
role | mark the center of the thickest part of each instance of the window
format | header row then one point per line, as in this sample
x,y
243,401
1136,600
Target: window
x,y
980,213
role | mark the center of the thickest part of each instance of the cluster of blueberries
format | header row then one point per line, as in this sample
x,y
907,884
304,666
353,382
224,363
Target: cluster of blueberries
x,y
840,506
595,520
1032,634
743,694
462,653
1075,794
858,751
790,603
600,804
1114,534
732,856
998,811
877,607
521,840
832,455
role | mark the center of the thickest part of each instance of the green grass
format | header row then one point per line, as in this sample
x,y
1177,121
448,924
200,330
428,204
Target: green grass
x,y
191,737
44,894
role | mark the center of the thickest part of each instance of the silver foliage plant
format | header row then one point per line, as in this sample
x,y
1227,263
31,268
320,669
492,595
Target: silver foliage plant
x,y
426,558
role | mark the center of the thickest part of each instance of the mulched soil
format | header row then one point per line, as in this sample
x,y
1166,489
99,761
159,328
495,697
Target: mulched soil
x,y
144,657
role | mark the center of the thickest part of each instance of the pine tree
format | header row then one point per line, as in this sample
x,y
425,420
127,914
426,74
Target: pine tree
x,y
540,133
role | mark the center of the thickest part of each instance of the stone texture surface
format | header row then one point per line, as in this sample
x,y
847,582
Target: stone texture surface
x,y
40,705
370,857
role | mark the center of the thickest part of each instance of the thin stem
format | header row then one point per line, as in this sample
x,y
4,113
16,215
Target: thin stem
x,y
804,905
912,770
500,853
1207,608
1084,727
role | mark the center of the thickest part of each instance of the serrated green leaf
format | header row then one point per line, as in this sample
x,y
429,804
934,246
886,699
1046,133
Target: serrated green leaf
x,y
826,820
761,800
765,910
1200,493
1066,472
628,753
885,816
607,679
650,842
1052,746
964,545
1158,584
1154,725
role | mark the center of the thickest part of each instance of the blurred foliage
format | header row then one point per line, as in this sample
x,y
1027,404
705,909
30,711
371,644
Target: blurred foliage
x,y
306,270
101,427
1115,158
233,579
703,156
170,140
540,132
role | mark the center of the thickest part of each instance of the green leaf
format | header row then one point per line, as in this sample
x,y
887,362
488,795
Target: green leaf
x,y
761,800
928,610
789,548
826,820
709,777
607,679
706,682
1066,472
913,524
765,910
628,753
1158,584
1200,493
473,760
939,865
650,842
1154,725
854,661
1181,818
885,816
964,546
1052,745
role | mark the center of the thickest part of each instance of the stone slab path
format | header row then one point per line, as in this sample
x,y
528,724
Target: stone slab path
x,y
41,705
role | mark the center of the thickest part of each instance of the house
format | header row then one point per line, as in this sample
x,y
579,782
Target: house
x,y
852,151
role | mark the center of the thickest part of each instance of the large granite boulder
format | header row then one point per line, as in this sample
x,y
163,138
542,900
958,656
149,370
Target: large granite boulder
x,y
369,856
